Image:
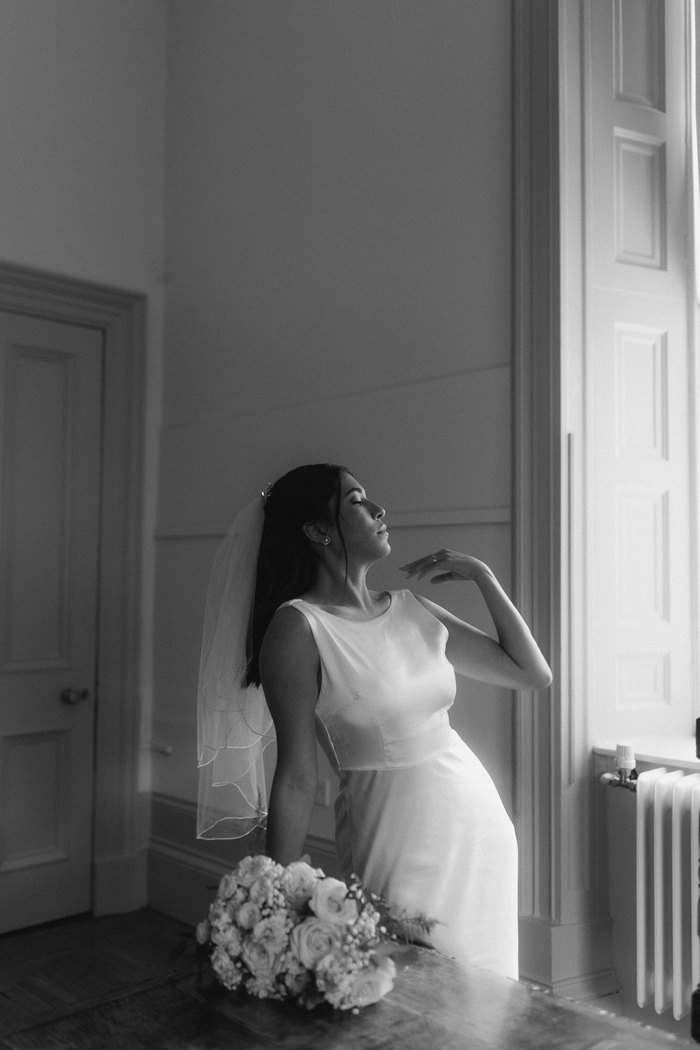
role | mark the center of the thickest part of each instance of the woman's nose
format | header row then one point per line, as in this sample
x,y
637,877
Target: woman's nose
x,y
380,512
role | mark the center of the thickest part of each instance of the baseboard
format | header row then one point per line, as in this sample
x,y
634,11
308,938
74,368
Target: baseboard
x,y
572,960
587,987
184,871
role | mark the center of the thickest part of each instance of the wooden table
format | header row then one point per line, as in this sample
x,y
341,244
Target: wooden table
x,y
438,1005
435,1005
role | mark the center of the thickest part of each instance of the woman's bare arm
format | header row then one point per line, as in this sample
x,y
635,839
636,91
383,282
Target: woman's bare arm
x,y
289,666
513,659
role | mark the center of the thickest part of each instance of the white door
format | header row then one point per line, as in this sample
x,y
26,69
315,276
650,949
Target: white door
x,y
639,545
50,428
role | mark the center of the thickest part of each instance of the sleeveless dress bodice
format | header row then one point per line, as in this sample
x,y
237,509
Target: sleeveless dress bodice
x,y
418,818
386,684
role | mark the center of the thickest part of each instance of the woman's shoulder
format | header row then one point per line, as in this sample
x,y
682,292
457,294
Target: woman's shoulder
x,y
288,634
289,631
295,616
288,655
290,618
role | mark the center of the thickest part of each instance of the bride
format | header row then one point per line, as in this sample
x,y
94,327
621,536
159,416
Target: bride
x,y
371,676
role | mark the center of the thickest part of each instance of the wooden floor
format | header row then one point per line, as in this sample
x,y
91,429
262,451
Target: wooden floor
x,y
124,983
52,971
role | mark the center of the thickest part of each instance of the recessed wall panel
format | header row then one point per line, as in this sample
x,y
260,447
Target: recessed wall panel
x,y
639,52
33,781
641,392
37,414
640,200
642,557
643,680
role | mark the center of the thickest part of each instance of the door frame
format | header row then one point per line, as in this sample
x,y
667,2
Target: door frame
x,y
120,811
565,926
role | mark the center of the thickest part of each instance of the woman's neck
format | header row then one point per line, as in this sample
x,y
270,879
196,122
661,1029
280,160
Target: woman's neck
x,y
338,590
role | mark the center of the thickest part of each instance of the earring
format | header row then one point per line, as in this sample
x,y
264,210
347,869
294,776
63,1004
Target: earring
x,y
326,540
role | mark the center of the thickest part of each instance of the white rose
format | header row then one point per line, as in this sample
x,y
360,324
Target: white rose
x,y
334,978
251,868
297,883
313,939
272,932
262,962
372,983
228,885
224,968
247,915
330,902
230,939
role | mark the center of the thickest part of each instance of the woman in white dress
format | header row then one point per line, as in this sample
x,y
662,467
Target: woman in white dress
x,y
370,675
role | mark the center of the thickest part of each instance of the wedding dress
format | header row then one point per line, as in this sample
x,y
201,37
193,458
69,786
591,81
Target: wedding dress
x,y
418,818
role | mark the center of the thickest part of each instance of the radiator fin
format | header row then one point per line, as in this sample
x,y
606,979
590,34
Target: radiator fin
x,y
668,854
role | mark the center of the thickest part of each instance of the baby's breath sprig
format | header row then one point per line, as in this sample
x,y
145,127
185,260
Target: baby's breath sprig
x,y
394,924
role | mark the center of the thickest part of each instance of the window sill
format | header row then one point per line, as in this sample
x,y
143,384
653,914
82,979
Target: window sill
x,y
678,752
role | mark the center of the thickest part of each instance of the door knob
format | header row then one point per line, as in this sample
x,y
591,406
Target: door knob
x,y
74,696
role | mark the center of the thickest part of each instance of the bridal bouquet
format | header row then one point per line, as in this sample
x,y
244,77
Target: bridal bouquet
x,y
290,932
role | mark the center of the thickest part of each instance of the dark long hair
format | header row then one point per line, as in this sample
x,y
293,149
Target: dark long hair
x,y
286,561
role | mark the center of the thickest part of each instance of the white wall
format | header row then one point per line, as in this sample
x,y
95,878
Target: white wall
x,y
82,122
338,209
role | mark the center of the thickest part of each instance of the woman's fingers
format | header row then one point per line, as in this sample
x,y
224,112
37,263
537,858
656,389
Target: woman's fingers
x,y
450,565
420,566
424,565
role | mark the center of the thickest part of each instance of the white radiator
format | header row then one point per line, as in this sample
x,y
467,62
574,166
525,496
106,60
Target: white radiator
x,y
668,853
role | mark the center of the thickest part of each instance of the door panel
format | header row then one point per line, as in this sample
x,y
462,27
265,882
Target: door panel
x,y
50,393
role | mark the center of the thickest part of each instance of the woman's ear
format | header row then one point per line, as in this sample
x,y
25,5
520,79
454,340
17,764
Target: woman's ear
x,y
315,531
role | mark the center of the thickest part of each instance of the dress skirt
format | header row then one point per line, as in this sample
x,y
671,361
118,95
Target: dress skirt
x,y
434,839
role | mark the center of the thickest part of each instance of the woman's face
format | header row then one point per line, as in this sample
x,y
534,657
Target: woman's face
x,y
361,521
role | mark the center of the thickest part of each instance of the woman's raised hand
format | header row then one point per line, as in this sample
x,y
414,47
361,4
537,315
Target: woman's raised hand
x,y
448,565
